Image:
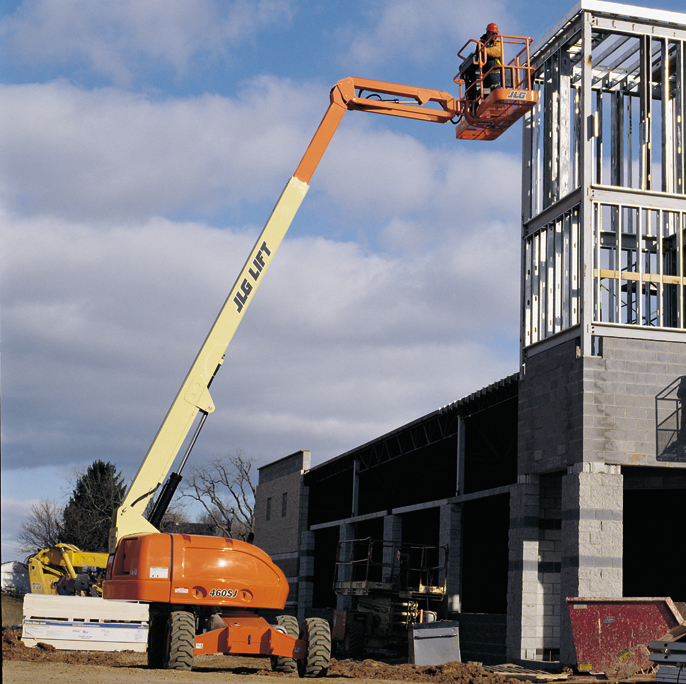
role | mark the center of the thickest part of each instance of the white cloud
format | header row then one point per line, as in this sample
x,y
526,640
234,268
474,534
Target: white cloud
x,y
110,155
106,153
113,37
410,273
101,324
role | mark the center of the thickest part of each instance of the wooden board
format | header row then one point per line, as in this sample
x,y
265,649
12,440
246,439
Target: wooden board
x,y
517,672
84,623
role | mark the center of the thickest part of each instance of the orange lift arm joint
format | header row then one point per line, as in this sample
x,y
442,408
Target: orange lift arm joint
x,y
347,94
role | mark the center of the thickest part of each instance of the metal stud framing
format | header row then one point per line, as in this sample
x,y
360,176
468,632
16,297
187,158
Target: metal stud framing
x,y
604,189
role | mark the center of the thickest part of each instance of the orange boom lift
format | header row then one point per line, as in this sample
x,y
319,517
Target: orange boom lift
x,y
187,579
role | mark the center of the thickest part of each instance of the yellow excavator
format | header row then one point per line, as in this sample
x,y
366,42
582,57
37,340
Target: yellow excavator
x,y
66,570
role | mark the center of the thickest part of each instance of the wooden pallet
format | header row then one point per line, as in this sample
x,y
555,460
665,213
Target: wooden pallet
x,y
518,672
84,623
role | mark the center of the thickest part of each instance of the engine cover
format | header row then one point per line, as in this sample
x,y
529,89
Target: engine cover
x,y
195,570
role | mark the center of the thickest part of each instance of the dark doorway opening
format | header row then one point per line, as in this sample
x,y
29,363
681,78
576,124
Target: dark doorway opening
x,y
485,528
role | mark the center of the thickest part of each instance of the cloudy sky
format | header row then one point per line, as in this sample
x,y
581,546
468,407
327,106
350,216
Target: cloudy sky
x,y
143,144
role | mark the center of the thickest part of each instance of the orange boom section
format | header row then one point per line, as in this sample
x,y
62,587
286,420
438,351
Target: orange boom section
x,y
195,570
365,95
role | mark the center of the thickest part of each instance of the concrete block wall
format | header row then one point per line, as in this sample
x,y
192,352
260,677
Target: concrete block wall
x,y
592,539
279,503
306,574
549,562
620,392
280,516
551,420
524,592
392,531
580,420
276,524
534,568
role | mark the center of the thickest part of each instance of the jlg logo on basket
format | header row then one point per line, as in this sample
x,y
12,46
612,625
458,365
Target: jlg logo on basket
x,y
517,95
228,593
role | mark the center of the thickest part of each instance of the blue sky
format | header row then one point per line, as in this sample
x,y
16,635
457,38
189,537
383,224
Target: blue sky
x,y
143,144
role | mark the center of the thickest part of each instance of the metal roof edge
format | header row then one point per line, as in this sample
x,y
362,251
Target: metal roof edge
x,y
514,378
605,7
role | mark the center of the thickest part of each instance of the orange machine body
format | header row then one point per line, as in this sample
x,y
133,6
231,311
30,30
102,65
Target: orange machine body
x,y
248,634
196,571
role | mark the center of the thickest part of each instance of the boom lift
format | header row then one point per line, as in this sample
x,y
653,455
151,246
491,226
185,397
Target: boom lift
x,y
185,577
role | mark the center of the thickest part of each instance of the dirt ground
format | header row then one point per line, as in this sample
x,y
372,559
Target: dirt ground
x,y
24,665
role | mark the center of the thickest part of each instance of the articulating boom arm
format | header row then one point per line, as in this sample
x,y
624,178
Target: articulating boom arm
x,y
194,396
348,94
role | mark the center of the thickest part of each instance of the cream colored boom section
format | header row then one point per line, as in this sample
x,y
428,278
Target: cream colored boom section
x,y
194,394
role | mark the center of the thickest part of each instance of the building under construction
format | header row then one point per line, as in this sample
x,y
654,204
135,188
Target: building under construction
x,y
568,478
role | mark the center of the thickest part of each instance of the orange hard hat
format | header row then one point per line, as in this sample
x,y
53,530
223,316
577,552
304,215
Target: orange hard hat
x,y
492,28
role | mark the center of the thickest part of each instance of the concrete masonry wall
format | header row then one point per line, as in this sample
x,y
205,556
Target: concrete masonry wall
x,y
580,421
550,425
280,514
279,533
619,402
597,408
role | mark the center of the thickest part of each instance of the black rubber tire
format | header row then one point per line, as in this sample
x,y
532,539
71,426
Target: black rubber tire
x,y
180,641
353,642
316,634
289,625
156,633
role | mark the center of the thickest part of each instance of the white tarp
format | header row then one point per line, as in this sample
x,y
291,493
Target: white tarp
x,y
15,577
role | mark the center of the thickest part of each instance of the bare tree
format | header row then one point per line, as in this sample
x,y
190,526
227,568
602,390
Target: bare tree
x,y
42,529
226,492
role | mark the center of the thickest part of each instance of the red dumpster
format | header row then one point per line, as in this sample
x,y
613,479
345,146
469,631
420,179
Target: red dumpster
x,y
612,635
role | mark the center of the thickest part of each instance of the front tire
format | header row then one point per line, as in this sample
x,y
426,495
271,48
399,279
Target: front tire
x,y
288,625
180,641
317,636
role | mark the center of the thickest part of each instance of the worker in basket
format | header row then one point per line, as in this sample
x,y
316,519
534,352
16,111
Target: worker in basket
x,y
490,54
493,49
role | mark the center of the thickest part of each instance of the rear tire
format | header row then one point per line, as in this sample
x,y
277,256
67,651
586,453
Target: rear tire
x,y
289,625
353,642
156,633
180,641
317,637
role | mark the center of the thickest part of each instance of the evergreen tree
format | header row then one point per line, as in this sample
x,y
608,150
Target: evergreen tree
x,y
88,515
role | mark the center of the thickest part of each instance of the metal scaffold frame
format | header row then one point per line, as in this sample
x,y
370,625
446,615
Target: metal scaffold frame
x,y
604,195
